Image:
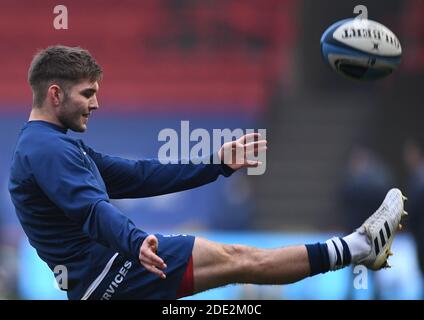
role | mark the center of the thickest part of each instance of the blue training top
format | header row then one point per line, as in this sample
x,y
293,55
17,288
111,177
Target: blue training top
x,y
61,189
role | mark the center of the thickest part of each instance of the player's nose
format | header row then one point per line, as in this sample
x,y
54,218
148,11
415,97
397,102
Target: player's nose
x,y
94,104
93,107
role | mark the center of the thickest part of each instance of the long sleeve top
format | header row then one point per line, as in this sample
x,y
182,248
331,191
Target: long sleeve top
x,y
61,189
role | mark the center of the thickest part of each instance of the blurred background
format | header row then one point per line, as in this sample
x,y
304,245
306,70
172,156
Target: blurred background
x,y
336,146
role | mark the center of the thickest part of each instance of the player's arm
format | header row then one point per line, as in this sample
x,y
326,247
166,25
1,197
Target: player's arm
x,y
65,179
135,179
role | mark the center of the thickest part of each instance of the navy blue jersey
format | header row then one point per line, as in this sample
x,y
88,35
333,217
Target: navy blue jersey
x,y
61,189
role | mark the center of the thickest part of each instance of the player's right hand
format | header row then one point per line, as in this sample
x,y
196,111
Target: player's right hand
x,y
148,257
236,154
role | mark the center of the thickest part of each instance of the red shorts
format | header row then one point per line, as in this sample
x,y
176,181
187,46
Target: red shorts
x,y
186,287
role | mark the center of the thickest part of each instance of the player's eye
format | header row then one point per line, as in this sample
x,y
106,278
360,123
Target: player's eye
x,y
88,94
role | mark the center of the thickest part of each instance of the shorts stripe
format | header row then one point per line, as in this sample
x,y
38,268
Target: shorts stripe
x,y
99,279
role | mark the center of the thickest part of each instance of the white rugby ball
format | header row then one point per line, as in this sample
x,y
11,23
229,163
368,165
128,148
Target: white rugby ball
x,y
361,49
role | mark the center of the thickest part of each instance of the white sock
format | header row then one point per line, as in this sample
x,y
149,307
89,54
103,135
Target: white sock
x,y
335,253
359,245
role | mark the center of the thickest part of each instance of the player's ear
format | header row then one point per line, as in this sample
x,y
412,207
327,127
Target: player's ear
x,y
54,93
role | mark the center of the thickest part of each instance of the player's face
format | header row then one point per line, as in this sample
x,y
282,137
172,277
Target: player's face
x,y
77,105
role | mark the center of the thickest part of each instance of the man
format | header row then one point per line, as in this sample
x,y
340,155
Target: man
x,y
61,190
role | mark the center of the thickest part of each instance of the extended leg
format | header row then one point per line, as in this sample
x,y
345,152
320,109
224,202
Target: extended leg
x,y
218,264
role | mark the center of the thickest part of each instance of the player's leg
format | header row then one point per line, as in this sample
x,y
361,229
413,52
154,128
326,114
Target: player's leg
x,y
216,264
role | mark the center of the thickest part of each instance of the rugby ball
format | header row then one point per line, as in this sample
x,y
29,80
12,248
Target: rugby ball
x,y
361,49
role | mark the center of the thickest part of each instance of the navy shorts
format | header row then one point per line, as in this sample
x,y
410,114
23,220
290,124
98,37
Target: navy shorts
x,y
128,279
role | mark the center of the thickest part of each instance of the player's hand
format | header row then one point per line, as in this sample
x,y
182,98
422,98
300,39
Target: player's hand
x,y
236,154
148,257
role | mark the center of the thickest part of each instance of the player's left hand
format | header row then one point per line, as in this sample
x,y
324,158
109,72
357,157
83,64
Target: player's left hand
x,y
236,154
148,257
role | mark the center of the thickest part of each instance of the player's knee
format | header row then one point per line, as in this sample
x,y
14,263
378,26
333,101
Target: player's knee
x,y
235,253
243,261
224,258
